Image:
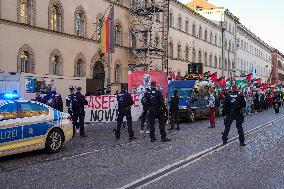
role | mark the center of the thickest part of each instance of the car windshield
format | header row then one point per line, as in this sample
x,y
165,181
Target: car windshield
x,y
182,92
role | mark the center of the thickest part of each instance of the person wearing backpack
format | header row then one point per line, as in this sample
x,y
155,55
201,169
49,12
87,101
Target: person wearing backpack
x,y
125,102
78,102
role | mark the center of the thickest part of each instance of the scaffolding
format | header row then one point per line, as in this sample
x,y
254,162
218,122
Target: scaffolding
x,y
149,34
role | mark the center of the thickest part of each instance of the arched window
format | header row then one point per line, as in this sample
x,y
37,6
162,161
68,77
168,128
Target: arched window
x,y
118,34
226,64
26,62
200,32
186,53
79,71
80,22
193,55
193,30
215,39
211,37
205,35
55,63
220,63
186,25
225,43
171,50
179,51
210,60
26,12
117,73
215,62
205,59
179,24
229,45
199,57
55,16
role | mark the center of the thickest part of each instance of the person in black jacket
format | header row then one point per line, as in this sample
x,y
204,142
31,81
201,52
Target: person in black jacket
x,y
174,111
125,102
156,111
54,100
78,101
233,107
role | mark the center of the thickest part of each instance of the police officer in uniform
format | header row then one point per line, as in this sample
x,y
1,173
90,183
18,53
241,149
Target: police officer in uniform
x,y
69,105
54,100
78,102
125,102
174,110
156,104
233,107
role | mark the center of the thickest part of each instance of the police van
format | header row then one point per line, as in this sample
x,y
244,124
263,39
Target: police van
x,y
30,125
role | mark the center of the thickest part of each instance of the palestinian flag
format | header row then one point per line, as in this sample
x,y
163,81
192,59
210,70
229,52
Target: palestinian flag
x,y
221,82
213,77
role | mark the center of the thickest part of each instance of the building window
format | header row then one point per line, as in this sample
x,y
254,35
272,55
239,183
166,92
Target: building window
x,y
55,16
229,45
215,62
200,32
226,64
211,37
205,58
171,19
186,53
225,42
171,50
99,27
26,62
55,63
118,34
193,55
186,26
79,68
157,41
179,51
199,57
80,22
193,30
26,12
210,60
205,35
117,73
133,39
215,39
157,16
220,63
179,24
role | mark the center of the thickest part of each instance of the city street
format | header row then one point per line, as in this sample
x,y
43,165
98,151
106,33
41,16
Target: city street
x,y
194,158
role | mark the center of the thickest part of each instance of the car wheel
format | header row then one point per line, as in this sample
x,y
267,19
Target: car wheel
x,y
54,141
192,117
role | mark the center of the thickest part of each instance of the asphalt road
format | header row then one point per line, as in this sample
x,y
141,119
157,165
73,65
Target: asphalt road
x,y
100,161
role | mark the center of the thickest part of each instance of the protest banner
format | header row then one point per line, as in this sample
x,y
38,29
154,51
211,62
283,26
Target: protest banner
x,y
138,81
103,109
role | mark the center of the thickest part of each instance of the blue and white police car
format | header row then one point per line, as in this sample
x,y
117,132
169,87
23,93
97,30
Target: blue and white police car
x,y
30,125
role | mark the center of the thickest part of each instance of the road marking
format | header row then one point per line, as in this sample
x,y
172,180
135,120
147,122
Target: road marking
x,y
172,168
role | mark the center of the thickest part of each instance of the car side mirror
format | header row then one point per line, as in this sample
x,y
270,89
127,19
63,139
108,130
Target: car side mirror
x,y
1,117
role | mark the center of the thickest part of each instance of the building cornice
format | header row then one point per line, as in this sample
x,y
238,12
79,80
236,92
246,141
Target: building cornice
x,y
252,35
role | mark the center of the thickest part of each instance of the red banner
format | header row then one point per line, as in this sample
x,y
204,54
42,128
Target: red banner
x,y
138,81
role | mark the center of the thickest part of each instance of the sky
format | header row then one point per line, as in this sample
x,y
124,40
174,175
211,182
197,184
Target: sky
x,y
265,18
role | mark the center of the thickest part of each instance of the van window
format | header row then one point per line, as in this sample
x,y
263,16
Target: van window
x,y
9,111
43,110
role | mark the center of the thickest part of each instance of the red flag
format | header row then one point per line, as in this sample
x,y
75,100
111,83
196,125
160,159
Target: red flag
x,y
248,77
214,77
221,82
259,80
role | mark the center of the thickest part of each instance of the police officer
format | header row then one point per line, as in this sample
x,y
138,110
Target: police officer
x,y
69,106
233,106
78,102
125,102
54,100
144,115
156,104
174,110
